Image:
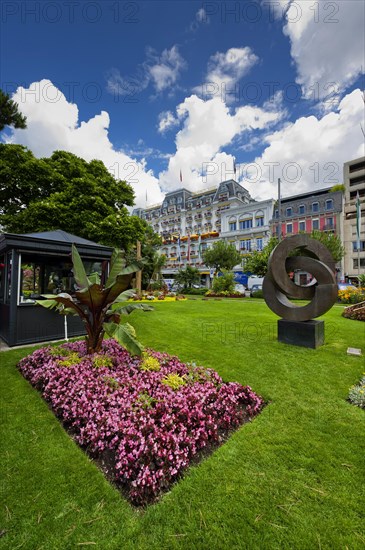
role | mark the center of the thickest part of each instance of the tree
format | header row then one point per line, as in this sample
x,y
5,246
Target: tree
x,y
9,113
188,276
257,261
332,242
224,283
101,307
338,187
222,256
150,243
158,262
24,179
66,192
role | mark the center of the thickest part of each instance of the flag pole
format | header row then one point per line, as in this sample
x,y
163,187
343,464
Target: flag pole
x,y
279,209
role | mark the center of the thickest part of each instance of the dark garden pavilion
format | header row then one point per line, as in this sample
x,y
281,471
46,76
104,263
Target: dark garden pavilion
x,y
36,264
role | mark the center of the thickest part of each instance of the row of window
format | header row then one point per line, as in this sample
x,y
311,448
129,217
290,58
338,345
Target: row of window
x,y
246,244
289,211
315,225
362,246
246,224
356,263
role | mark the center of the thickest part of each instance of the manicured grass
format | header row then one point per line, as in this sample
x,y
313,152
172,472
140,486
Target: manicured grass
x,y
293,478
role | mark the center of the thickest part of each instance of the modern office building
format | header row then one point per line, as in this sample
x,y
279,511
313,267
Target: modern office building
x,y
190,222
354,182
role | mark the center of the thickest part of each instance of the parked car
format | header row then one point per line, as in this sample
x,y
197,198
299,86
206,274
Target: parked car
x,y
254,288
239,288
176,287
254,280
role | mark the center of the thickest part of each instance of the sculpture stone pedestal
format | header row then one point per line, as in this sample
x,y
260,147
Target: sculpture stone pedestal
x,y
309,334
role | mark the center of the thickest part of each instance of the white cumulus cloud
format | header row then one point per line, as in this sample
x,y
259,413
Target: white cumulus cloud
x,y
53,124
224,71
327,44
166,121
209,126
309,153
161,70
166,71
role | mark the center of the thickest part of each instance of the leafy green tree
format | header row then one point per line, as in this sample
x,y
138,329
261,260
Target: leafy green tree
x,y
66,192
338,187
9,113
257,261
24,179
101,307
222,255
188,276
332,242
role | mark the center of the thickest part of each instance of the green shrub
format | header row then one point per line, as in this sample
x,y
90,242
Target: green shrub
x,y
357,394
173,380
59,351
145,400
149,363
195,291
258,294
111,382
158,285
224,283
351,295
102,361
72,359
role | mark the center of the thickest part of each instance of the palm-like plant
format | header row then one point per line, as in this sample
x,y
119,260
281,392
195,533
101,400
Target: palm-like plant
x,y
101,307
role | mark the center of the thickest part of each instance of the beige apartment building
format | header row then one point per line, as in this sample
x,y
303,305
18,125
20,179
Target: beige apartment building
x,y
354,182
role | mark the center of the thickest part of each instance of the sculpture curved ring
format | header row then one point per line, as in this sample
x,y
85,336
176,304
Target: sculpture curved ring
x,y
278,287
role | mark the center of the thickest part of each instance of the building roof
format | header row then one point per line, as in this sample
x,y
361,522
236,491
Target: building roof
x,y
53,242
314,193
61,236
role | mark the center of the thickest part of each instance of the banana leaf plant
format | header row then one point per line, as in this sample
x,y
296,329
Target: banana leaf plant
x,y
101,307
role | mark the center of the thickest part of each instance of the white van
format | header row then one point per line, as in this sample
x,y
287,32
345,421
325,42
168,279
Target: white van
x,y
254,280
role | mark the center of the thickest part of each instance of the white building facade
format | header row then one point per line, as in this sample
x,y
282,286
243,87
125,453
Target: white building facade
x,y
189,223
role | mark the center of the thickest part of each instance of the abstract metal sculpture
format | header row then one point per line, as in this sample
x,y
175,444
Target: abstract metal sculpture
x,y
314,258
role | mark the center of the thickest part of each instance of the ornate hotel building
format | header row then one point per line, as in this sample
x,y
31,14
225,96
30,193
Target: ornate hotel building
x,y
190,222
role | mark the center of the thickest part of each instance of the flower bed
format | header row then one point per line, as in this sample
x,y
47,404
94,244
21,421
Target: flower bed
x,y
356,312
156,295
144,419
351,295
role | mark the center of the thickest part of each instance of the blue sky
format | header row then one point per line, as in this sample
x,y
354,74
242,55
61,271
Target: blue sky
x,y
155,87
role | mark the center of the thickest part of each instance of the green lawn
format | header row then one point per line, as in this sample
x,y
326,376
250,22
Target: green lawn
x,y
293,478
